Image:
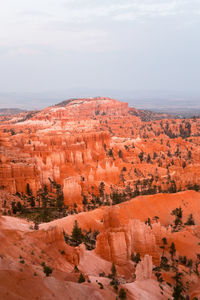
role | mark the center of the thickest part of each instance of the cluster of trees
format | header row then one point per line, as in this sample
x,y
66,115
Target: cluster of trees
x,y
80,236
146,186
172,264
183,130
135,257
115,282
40,207
159,158
77,237
178,222
46,269
48,203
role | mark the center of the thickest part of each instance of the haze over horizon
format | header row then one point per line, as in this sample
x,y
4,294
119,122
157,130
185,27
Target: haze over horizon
x,y
100,150
52,50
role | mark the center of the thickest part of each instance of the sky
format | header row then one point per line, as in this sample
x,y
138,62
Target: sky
x,y
49,46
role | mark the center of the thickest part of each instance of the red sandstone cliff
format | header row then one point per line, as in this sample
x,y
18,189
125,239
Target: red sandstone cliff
x,y
120,234
103,154
76,138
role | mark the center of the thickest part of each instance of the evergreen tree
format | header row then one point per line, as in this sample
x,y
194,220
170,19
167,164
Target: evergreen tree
x,y
28,190
47,270
122,294
59,197
81,278
44,196
164,241
148,158
77,233
178,213
110,152
120,153
172,250
101,189
85,201
190,220
113,270
136,258
141,156
173,188
178,288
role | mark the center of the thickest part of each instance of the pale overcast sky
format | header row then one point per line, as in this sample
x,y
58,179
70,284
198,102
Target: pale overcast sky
x,y
54,45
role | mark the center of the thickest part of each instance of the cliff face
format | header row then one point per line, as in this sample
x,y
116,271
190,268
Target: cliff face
x,y
83,142
122,180
118,241
52,156
122,232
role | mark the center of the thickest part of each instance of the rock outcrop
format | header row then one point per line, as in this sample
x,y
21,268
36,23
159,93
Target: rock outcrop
x,y
99,139
122,175
144,268
117,242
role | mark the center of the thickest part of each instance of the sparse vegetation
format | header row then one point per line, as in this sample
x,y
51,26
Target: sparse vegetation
x,y
122,294
135,258
190,220
81,278
46,269
78,236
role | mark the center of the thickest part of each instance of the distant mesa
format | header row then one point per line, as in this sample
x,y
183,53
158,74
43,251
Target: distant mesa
x,y
87,107
68,101
10,111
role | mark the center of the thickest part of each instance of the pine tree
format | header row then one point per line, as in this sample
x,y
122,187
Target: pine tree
x,y
81,278
172,250
190,220
77,233
148,158
28,189
113,270
47,270
59,197
44,196
110,152
120,153
136,258
178,288
164,241
101,189
178,213
122,294
85,201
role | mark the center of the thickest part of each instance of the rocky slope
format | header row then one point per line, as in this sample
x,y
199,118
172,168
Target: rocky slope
x,y
122,232
83,142
97,161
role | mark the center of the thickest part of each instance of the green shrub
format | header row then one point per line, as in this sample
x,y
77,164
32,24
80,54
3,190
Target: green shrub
x,y
46,269
136,258
122,294
81,278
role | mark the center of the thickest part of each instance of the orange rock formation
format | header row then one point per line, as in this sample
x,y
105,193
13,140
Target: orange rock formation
x,y
101,152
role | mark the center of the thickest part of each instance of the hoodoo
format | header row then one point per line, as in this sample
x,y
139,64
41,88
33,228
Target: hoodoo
x,y
99,200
